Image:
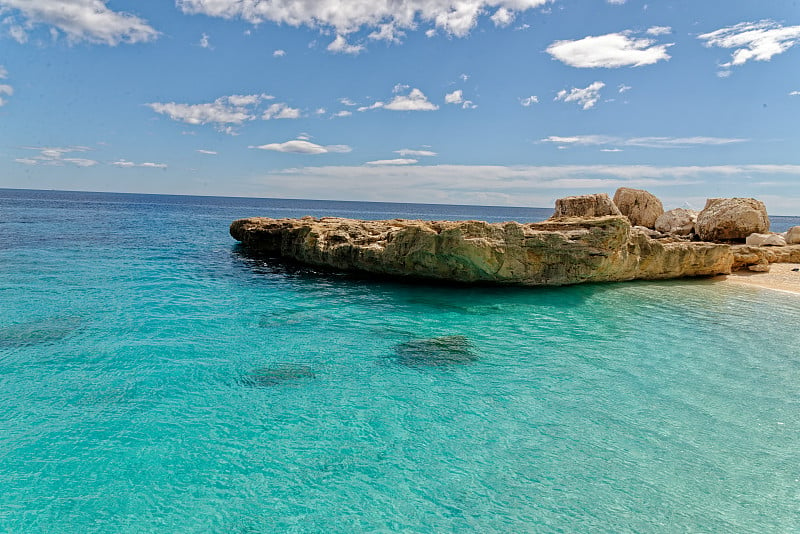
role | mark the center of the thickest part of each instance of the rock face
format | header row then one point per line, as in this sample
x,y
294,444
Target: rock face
x,y
679,221
745,256
732,219
793,235
554,252
639,206
764,240
597,205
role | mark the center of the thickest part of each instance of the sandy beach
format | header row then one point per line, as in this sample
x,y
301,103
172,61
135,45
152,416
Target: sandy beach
x,y
780,277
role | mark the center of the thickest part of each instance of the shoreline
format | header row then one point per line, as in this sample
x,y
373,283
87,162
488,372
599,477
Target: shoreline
x,y
780,277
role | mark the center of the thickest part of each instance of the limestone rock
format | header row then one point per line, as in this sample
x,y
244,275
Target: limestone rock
x,y
745,255
597,205
732,219
553,252
679,221
639,206
764,240
793,235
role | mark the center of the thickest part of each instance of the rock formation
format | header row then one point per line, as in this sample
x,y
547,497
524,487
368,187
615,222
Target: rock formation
x,y
731,219
793,236
559,251
597,205
679,221
639,206
764,240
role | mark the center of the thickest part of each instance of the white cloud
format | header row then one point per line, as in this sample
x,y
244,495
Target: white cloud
x,y
586,97
375,105
413,101
418,153
387,32
609,51
623,88
759,41
80,20
464,77
209,152
280,111
502,17
644,142
659,30
529,100
523,185
457,97
794,93
224,113
18,33
5,89
387,17
343,113
54,156
204,42
129,164
301,146
397,161
341,46
279,53
616,2
347,102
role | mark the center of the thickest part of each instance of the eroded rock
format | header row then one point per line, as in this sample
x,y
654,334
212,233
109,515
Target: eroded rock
x,y
639,206
678,221
765,240
732,219
793,236
596,205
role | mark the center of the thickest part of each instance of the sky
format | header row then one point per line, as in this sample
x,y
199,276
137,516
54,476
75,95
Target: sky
x,y
489,102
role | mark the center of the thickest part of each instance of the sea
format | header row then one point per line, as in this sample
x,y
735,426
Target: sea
x,y
156,377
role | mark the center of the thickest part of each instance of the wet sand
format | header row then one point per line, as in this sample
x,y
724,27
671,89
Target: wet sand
x,y
780,277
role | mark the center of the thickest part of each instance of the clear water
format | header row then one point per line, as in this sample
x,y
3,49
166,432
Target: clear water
x,y
155,378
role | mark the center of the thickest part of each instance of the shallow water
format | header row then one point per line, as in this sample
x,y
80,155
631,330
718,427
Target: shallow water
x,y
156,378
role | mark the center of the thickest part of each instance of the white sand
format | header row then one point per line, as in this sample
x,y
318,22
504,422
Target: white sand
x,y
780,277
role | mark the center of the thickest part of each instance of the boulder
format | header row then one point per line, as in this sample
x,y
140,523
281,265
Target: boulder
x,y
793,235
639,206
679,221
764,240
597,205
731,219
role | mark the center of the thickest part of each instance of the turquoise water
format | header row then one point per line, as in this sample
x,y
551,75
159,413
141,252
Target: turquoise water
x,y
156,378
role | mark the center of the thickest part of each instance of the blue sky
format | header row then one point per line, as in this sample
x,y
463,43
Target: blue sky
x,y
498,102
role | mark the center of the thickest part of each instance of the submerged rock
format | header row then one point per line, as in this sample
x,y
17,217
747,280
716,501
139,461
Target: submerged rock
x,y
275,375
639,206
435,351
732,219
45,331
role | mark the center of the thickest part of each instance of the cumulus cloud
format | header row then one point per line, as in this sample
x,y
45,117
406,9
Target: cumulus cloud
x,y
612,50
457,97
280,111
386,17
80,20
659,30
302,146
415,100
147,165
343,113
225,113
529,100
758,41
279,53
586,97
341,46
645,142
56,156
416,153
204,41
398,161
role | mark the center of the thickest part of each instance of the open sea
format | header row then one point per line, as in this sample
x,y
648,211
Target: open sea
x,y
154,377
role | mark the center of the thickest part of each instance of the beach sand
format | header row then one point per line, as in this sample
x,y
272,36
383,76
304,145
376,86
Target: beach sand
x,y
780,277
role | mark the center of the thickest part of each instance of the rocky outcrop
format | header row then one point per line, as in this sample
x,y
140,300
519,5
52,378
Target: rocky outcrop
x,y
793,236
597,205
679,221
639,206
565,250
731,219
765,240
746,256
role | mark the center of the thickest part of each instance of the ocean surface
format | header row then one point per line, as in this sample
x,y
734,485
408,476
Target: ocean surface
x,y
154,377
